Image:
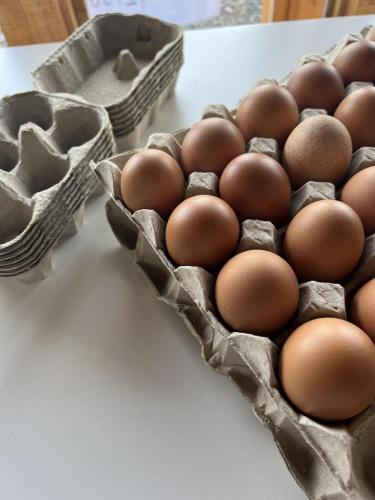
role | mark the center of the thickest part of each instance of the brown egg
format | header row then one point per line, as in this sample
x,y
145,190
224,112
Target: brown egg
x,y
324,241
256,292
327,369
256,187
210,145
318,149
152,179
269,111
202,231
357,113
316,85
362,310
359,193
356,62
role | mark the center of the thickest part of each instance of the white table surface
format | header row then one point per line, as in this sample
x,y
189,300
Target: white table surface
x,y
103,394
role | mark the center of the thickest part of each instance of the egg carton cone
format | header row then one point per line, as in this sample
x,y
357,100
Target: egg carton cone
x,y
332,461
46,144
126,63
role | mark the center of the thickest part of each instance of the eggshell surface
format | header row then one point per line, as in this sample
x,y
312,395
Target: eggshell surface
x,y
153,180
318,149
268,111
324,241
362,310
327,369
210,145
256,292
202,231
356,62
316,85
256,187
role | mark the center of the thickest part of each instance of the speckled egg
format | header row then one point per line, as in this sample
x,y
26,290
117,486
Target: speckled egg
x,y
318,149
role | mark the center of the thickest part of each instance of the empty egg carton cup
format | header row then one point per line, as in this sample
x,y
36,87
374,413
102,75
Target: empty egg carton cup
x,y
128,64
330,461
46,143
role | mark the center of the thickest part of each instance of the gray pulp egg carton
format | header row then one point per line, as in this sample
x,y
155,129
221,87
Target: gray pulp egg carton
x,y
128,64
46,144
330,461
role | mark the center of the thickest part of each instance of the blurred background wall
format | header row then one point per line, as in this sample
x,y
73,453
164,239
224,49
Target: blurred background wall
x,y
38,21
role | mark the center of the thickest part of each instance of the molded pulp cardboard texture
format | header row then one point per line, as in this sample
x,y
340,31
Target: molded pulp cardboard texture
x,y
329,461
128,64
46,143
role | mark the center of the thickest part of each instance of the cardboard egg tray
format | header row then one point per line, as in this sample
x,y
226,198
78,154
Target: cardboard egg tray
x,y
46,143
329,461
128,64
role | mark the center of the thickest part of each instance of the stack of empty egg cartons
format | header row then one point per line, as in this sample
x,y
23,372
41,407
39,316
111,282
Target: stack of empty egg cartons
x,y
121,68
46,144
128,64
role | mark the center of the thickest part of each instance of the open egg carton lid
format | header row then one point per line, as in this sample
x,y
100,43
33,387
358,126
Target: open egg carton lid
x,y
46,144
333,461
128,64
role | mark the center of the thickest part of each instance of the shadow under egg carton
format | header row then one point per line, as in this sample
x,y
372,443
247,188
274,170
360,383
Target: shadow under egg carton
x,y
128,64
328,461
46,143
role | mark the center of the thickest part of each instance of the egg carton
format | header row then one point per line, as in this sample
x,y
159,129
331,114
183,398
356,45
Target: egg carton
x,y
311,449
330,461
128,64
46,144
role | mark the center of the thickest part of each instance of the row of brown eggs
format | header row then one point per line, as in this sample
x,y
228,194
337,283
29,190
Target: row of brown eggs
x,y
327,366
257,291
271,112
253,186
